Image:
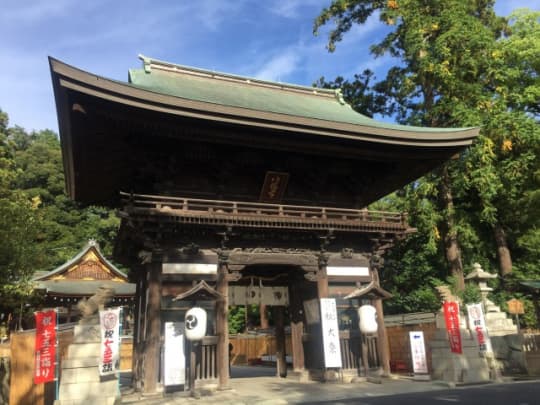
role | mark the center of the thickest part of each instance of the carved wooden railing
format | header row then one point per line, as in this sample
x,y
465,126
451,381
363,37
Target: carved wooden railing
x,y
206,367
260,215
351,350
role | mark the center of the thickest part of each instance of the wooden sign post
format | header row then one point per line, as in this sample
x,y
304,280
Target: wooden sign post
x,y
516,308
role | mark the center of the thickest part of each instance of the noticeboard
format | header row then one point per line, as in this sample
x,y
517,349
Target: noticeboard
x,y
515,306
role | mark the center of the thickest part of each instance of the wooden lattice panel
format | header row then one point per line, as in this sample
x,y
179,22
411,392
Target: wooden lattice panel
x,y
89,270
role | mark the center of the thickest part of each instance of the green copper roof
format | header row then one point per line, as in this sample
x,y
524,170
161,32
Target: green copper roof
x,y
253,94
84,287
534,284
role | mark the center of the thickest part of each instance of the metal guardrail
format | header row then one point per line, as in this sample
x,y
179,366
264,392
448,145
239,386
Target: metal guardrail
x,y
415,318
216,212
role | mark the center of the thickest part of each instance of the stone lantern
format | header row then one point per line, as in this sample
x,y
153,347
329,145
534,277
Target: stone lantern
x,y
481,277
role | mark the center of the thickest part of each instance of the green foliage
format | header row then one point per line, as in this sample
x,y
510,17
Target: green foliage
x,y
457,64
237,318
359,93
40,228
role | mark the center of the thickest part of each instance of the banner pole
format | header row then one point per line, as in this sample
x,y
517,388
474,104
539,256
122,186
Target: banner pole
x,y
57,373
120,319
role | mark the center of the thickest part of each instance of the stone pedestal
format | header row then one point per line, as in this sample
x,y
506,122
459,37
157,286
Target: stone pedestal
x,y
80,382
466,368
507,343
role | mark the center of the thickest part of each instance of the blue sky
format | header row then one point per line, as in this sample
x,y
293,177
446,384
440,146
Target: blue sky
x,y
269,39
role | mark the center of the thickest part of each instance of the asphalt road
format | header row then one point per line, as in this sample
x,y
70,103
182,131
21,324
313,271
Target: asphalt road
x,y
515,393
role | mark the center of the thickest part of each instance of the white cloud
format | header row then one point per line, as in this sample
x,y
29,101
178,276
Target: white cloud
x,y
292,8
505,7
280,66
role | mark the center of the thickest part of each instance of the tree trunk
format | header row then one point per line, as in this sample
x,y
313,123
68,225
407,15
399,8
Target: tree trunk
x,y
452,250
505,258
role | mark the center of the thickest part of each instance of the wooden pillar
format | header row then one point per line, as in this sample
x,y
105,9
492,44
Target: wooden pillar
x,y
279,320
263,317
151,351
382,337
322,277
69,313
296,312
138,332
222,312
382,341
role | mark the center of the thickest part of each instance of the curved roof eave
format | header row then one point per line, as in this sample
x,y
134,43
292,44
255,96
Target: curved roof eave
x,y
69,77
91,244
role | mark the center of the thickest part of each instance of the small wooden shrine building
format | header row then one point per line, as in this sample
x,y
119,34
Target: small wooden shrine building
x,y
256,188
80,278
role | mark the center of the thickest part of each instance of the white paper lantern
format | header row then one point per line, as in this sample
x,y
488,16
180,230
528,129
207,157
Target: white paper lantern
x,y
195,323
368,319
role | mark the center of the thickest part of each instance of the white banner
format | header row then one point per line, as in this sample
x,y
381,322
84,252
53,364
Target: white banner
x,y
174,358
109,358
418,352
330,331
477,325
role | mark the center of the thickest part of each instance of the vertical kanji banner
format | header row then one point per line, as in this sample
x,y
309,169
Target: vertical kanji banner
x,y
477,325
110,341
45,347
451,316
330,331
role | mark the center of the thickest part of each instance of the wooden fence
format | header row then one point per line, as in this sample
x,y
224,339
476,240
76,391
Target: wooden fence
x,y
22,389
250,349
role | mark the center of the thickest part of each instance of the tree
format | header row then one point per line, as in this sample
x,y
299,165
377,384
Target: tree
x,y
20,223
359,93
40,228
458,64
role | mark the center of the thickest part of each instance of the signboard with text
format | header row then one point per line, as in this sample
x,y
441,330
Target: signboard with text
x,y
515,306
109,358
451,317
418,352
45,347
174,359
330,331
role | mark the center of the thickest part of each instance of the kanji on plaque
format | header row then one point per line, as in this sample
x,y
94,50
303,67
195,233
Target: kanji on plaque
x,y
451,317
45,347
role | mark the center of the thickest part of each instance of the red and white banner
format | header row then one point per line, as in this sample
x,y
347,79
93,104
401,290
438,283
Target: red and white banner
x,y
477,324
451,317
110,341
45,347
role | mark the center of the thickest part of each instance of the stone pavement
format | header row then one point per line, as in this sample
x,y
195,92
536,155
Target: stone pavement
x,y
273,390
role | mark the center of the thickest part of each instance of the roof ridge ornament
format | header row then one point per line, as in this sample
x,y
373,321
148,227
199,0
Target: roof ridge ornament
x,y
147,63
339,96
